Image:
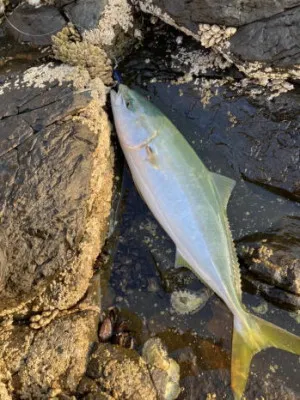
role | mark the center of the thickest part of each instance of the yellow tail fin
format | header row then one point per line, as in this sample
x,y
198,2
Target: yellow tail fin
x,y
249,340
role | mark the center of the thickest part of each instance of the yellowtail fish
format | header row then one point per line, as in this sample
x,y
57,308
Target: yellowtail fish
x,y
190,203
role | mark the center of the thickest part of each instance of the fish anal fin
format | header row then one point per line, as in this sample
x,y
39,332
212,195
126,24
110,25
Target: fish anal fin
x,y
248,340
180,261
224,187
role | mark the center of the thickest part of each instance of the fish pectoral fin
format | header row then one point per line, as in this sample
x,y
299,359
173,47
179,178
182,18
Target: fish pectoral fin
x,y
224,187
151,156
180,261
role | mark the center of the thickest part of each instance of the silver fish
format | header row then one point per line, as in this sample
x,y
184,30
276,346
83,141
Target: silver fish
x,y
190,203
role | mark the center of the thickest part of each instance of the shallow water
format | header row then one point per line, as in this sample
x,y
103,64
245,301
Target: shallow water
x,y
138,275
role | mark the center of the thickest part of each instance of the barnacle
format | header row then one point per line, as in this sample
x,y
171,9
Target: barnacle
x,y
217,38
186,302
211,35
3,4
116,13
68,47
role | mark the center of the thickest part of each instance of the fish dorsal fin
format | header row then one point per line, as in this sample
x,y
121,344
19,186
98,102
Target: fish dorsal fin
x,y
224,187
180,261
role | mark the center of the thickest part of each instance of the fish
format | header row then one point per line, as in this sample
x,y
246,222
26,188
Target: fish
x,y
190,203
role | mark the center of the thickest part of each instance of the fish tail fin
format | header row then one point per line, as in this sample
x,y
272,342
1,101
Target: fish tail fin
x,y
251,338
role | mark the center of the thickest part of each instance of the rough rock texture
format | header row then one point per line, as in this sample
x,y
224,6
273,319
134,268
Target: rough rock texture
x,y
54,170
214,385
85,14
57,357
98,25
69,48
267,31
34,25
119,372
274,41
273,257
56,176
232,12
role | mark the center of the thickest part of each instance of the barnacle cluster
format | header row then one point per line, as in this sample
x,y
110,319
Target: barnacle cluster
x,y
69,48
116,13
212,35
278,86
274,80
197,61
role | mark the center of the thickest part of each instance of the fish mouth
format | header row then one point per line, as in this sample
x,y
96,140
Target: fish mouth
x,y
118,98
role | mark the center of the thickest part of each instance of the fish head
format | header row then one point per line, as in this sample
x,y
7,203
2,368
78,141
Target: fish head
x,y
130,111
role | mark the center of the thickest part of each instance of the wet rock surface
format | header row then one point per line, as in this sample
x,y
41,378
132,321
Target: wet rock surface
x,y
85,14
272,41
274,255
224,122
267,32
56,173
106,24
233,12
273,258
34,25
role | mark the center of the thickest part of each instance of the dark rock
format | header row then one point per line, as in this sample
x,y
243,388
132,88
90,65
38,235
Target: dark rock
x,y
62,3
274,41
85,14
267,32
276,295
34,25
232,13
283,107
273,256
216,385
272,261
260,146
209,385
17,57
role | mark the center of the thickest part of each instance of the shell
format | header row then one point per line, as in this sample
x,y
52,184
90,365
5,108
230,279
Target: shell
x,y
106,330
164,370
